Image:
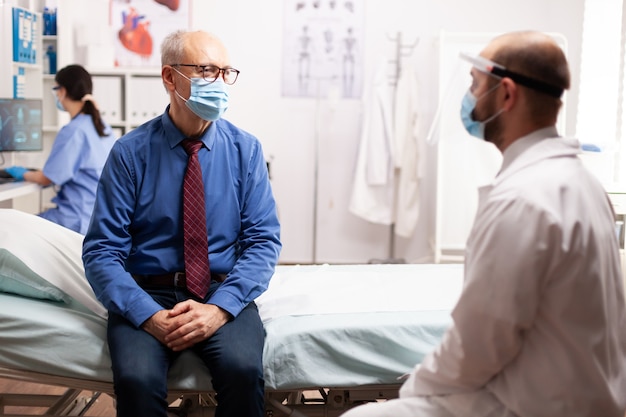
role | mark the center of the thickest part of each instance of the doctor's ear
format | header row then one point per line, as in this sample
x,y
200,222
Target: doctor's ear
x,y
511,93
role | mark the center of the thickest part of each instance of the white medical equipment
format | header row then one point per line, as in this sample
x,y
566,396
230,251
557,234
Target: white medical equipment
x,y
343,332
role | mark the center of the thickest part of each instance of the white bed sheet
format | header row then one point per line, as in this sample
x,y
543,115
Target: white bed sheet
x,y
332,289
353,325
326,325
332,349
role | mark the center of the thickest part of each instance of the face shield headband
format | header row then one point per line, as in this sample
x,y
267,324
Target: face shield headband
x,y
497,70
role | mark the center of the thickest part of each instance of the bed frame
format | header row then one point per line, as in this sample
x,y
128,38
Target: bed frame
x,y
80,395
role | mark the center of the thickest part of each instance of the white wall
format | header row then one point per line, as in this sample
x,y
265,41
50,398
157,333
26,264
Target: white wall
x,y
291,129
286,126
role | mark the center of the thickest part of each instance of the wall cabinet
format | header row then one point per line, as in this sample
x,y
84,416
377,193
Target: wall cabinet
x,y
128,97
20,52
50,116
21,31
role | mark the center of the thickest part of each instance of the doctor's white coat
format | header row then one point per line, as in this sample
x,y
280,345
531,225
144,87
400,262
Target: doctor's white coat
x,y
541,322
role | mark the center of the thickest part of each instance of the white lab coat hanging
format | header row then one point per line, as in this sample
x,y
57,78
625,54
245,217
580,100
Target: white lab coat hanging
x,y
373,188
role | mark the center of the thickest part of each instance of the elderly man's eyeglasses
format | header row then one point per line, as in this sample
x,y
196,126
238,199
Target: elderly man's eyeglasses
x,y
210,73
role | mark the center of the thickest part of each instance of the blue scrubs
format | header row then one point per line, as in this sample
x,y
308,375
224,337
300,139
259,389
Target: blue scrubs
x,y
74,167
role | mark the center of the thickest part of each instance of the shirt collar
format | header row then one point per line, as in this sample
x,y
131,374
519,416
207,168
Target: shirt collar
x,y
522,144
174,136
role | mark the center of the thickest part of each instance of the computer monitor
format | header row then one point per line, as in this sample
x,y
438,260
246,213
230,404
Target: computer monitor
x,y
20,125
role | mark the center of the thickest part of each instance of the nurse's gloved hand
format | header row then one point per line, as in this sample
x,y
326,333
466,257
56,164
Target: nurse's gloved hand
x,y
16,172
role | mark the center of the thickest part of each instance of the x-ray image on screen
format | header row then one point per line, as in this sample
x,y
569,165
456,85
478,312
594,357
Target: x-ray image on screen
x,y
20,125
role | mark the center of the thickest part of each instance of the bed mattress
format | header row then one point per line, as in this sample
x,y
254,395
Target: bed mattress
x,y
326,326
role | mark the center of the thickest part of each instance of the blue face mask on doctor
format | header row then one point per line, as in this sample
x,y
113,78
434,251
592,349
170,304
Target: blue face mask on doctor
x,y
468,104
208,100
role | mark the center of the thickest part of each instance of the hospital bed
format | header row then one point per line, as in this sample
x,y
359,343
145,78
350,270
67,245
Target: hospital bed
x,y
336,335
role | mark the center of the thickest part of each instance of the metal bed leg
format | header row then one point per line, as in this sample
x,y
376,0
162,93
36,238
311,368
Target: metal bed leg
x,y
64,402
92,401
67,404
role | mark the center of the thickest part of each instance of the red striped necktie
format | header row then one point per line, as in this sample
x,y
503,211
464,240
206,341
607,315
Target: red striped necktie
x,y
196,246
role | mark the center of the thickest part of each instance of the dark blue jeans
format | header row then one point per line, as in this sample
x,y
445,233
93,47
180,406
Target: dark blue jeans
x,y
234,356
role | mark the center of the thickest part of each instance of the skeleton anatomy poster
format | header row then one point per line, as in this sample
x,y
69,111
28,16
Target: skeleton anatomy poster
x,y
323,48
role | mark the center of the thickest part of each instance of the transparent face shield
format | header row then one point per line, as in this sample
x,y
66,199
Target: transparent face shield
x,y
486,66
481,64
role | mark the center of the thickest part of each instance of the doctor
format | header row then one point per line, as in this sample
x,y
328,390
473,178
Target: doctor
x,y
539,327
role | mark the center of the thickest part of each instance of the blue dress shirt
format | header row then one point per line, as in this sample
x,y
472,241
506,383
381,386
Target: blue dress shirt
x,y
137,228
74,166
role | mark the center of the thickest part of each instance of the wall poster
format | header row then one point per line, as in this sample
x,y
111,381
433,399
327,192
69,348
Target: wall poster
x,y
141,25
323,47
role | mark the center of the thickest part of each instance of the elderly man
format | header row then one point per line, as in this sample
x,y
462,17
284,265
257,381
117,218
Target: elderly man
x,y
539,329
182,189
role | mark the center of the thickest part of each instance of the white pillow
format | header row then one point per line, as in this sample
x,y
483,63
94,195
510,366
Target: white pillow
x,y
50,252
17,278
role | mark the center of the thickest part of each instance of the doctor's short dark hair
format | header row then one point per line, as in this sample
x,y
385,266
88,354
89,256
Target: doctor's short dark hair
x,y
546,65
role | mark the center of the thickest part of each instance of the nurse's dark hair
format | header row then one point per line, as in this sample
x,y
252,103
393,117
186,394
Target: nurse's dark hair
x,y
77,83
538,57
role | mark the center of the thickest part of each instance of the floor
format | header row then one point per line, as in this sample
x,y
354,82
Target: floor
x,y
103,405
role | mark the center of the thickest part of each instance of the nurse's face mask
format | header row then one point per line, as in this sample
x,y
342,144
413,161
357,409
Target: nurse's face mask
x,y
57,101
209,95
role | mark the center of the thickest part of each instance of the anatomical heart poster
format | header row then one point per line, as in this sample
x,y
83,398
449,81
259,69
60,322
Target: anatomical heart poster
x,y
139,27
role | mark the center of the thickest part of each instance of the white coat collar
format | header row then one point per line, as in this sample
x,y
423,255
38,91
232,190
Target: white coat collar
x,y
540,144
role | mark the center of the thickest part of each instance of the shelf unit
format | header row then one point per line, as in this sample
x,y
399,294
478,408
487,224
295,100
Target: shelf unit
x,y
128,97
48,40
20,79
21,29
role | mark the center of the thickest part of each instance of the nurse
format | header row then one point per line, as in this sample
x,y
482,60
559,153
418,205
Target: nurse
x,y
78,153
539,327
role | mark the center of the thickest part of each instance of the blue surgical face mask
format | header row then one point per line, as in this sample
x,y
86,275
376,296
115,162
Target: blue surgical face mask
x,y
207,100
57,102
474,127
59,105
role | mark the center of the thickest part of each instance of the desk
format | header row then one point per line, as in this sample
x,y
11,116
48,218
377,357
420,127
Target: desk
x,y
12,190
